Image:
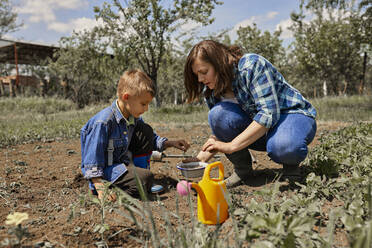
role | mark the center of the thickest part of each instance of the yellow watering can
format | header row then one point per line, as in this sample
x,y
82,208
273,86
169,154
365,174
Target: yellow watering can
x,y
212,205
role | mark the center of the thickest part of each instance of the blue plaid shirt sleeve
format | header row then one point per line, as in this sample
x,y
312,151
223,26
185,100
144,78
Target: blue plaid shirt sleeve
x,y
259,78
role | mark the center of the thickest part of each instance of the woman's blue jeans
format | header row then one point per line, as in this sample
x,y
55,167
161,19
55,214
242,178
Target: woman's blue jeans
x,y
286,143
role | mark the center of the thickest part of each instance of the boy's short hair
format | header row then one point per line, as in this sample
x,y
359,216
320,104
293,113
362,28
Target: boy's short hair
x,y
135,82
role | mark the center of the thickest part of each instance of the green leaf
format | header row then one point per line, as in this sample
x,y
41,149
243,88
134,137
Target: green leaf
x,y
289,241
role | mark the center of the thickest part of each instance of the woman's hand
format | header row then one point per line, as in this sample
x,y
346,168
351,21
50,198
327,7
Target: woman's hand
x,y
179,144
203,156
213,146
252,133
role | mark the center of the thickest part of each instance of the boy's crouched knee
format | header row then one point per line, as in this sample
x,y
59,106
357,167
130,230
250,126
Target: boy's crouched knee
x,y
128,182
146,177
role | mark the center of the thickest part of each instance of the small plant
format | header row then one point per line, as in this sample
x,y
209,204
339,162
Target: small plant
x,y
18,231
104,204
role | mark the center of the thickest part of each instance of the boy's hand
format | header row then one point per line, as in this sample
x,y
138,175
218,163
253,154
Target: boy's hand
x,y
179,144
100,188
111,197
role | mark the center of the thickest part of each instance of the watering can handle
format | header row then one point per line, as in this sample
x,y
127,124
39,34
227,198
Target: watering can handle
x,y
220,170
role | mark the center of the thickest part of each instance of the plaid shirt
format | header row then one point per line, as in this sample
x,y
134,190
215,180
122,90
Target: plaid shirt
x,y
263,93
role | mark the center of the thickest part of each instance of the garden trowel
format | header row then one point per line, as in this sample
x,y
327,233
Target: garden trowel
x,y
158,156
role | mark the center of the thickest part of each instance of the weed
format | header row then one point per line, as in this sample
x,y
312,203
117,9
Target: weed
x,y
15,219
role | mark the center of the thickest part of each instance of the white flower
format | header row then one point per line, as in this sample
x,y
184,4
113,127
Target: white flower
x,y
16,218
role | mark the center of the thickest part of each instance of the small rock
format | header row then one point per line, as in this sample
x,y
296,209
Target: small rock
x,y
70,152
44,244
48,140
20,163
27,206
38,147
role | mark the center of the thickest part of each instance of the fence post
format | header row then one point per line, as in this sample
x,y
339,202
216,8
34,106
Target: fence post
x,y
12,87
2,89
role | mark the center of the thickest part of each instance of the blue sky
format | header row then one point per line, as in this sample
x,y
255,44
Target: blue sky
x,y
46,21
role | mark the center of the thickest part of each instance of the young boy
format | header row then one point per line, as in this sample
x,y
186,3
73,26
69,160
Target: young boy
x,y
116,144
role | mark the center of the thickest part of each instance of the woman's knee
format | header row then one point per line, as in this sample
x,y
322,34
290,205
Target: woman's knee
x,y
287,152
227,120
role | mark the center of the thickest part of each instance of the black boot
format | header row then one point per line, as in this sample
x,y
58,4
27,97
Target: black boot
x,y
242,161
291,173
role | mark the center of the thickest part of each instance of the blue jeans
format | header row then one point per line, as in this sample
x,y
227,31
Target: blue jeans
x,y
286,142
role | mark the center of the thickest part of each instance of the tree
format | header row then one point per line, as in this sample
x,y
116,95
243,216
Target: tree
x,y
7,18
171,88
251,40
145,27
227,40
88,73
352,37
367,16
363,17
328,48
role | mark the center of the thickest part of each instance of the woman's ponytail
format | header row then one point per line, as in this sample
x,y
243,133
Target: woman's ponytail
x,y
235,51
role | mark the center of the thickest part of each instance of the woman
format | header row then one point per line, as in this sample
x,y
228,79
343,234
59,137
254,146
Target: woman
x,y
251,106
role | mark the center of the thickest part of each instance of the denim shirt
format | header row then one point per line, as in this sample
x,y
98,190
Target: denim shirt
x,y
108,124
263,93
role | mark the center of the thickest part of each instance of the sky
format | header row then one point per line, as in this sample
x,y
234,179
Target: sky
x,y
46,21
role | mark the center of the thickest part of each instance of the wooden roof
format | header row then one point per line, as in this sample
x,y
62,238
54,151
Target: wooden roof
x,y
27,53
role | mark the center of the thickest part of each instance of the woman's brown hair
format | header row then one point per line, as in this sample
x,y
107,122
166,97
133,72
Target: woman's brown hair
x,y
221,57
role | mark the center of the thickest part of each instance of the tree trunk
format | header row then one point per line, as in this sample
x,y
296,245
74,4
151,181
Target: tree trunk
x,y
43,87
21,89
175,97
12,88
154,78
78,100
325,93
2,88
334,88
345,88
65,87
363,77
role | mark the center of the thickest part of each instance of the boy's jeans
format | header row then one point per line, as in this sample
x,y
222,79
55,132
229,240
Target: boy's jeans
x,y
286,142
141,147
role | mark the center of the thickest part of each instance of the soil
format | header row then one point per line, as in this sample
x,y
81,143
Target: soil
x,y
44,180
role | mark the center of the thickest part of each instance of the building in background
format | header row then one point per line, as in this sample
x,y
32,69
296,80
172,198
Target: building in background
x,y
19,53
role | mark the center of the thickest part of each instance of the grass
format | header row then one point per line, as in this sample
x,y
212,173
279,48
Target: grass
x,y
177,114
34,118
33,105
31,119
344,108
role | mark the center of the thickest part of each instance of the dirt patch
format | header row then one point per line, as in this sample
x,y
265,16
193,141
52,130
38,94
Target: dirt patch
x,y
44,180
